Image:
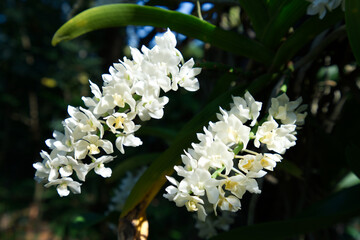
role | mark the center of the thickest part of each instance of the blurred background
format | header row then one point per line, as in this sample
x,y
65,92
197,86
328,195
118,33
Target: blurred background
x,y
38,82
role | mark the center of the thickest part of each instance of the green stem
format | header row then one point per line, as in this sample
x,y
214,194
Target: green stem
x,y
217,172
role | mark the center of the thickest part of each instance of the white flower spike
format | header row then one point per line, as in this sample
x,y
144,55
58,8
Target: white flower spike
x,y
220,169
131,90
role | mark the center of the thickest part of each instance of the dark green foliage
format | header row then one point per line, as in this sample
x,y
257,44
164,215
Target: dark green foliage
x,y
273,42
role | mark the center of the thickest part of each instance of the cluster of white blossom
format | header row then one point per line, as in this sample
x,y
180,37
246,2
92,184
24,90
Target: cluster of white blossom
x,y
220,168
132,89
322,6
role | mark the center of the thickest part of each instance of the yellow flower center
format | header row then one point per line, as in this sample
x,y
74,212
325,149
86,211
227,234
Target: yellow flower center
x,y
249,164
93,149
230,185
264,162
191,206
119,122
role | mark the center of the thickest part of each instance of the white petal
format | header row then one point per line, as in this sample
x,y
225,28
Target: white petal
x,y
62,190
75,187
65,171
132,141
107,146
103,171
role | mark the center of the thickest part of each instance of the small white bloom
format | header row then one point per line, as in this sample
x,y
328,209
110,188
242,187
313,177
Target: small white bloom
x,y
205,139
269,161
227,203
90,145
151,107
194,204
216,155
117,95
99,166
122,121
92,102
251,162
85,120
231,130
186,77
128,140
165,51
289,112
190,164
200,182
239,184
246,108
168,40
171,190
61,142
64,184
183,198
49,167
70,165
276,138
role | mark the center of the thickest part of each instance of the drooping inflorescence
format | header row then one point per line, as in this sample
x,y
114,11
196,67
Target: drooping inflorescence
x,y
131,89
221,167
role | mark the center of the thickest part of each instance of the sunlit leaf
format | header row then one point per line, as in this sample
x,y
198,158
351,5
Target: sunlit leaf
x,y
352,19
116,15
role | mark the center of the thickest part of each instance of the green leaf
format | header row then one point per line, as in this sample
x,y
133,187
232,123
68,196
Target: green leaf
x,y
339,207
352,19
353,160
154,177
274,6
116,15
279,25
303,35
256,10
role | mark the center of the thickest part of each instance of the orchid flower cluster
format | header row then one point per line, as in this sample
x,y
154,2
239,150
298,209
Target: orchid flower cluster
x,y
221,168
131,89
322,6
